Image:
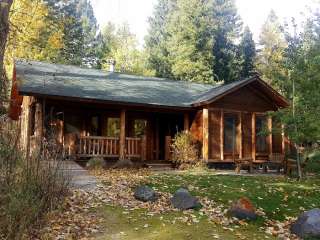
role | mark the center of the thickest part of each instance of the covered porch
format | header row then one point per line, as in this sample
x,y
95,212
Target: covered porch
x,y
110,131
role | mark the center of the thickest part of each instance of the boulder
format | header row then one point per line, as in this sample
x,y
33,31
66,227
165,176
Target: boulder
x,y
183,200
307,224
243,209
145,193
182,190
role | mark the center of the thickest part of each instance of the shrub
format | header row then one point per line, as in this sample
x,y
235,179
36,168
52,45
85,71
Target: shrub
x,y
96,163
185,150
313,164
29,187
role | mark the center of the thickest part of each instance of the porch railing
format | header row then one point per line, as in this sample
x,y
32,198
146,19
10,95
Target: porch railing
x,y
110,147
99,146
133,147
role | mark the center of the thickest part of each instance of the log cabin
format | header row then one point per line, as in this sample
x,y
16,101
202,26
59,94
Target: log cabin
x,y
115,116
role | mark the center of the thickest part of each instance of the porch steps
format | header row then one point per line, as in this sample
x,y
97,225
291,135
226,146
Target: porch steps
x,y
160,166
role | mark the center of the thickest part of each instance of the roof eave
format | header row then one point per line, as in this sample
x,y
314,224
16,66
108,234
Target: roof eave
x,y
283,102
120,103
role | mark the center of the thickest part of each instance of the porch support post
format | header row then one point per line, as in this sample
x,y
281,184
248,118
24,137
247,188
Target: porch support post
x,y
122,135
186,122
39,125
221,134
253,136
157,139
240,135
27,121
205,134
283,143
144,148
270,134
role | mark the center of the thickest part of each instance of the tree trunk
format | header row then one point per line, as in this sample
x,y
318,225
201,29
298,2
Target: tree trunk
x,y
5,6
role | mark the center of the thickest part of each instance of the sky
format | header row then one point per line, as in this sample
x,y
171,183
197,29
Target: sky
x,y
252,12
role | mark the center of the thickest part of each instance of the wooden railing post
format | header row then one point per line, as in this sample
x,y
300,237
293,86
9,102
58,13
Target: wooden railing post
x,y
205,134
122,134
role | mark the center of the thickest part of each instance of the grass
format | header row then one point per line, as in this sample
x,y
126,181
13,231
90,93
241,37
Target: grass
x,y
137,224
277,196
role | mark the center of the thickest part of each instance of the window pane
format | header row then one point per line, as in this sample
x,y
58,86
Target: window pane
x,y
139,127
113,127
261,141
229,134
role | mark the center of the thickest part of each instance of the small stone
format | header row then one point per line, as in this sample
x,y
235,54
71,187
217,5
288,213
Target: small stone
x,y
183,200
145,194
307,224
243,209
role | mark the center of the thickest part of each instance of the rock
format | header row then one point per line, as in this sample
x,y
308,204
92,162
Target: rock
x,y
243,209
183,200
307,224
182,190
145,194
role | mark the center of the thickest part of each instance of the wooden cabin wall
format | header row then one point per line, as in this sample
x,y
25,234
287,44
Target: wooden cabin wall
x,y
246,135
196,126
214,134
244,99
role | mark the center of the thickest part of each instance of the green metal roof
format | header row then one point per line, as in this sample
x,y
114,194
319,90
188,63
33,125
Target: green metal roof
x,y
40,78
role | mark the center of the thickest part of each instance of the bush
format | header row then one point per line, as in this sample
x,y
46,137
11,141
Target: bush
x,y
96,163
313,163
29,187
185,150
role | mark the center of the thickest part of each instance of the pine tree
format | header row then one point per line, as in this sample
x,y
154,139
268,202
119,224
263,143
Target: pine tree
x,y
79,31
273,44
248,53
156,40
226,56
190,42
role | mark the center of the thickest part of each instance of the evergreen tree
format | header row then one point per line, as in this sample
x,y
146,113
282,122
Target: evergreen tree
x,y
273,44
156,40
247,50
226,55
81,45
190,42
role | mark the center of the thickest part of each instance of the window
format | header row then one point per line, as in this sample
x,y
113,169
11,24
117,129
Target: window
x,y
229,134
261,131
139,127
113,127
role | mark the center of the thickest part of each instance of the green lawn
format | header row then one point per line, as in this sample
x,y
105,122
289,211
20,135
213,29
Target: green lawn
x,y
137,224
277,196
